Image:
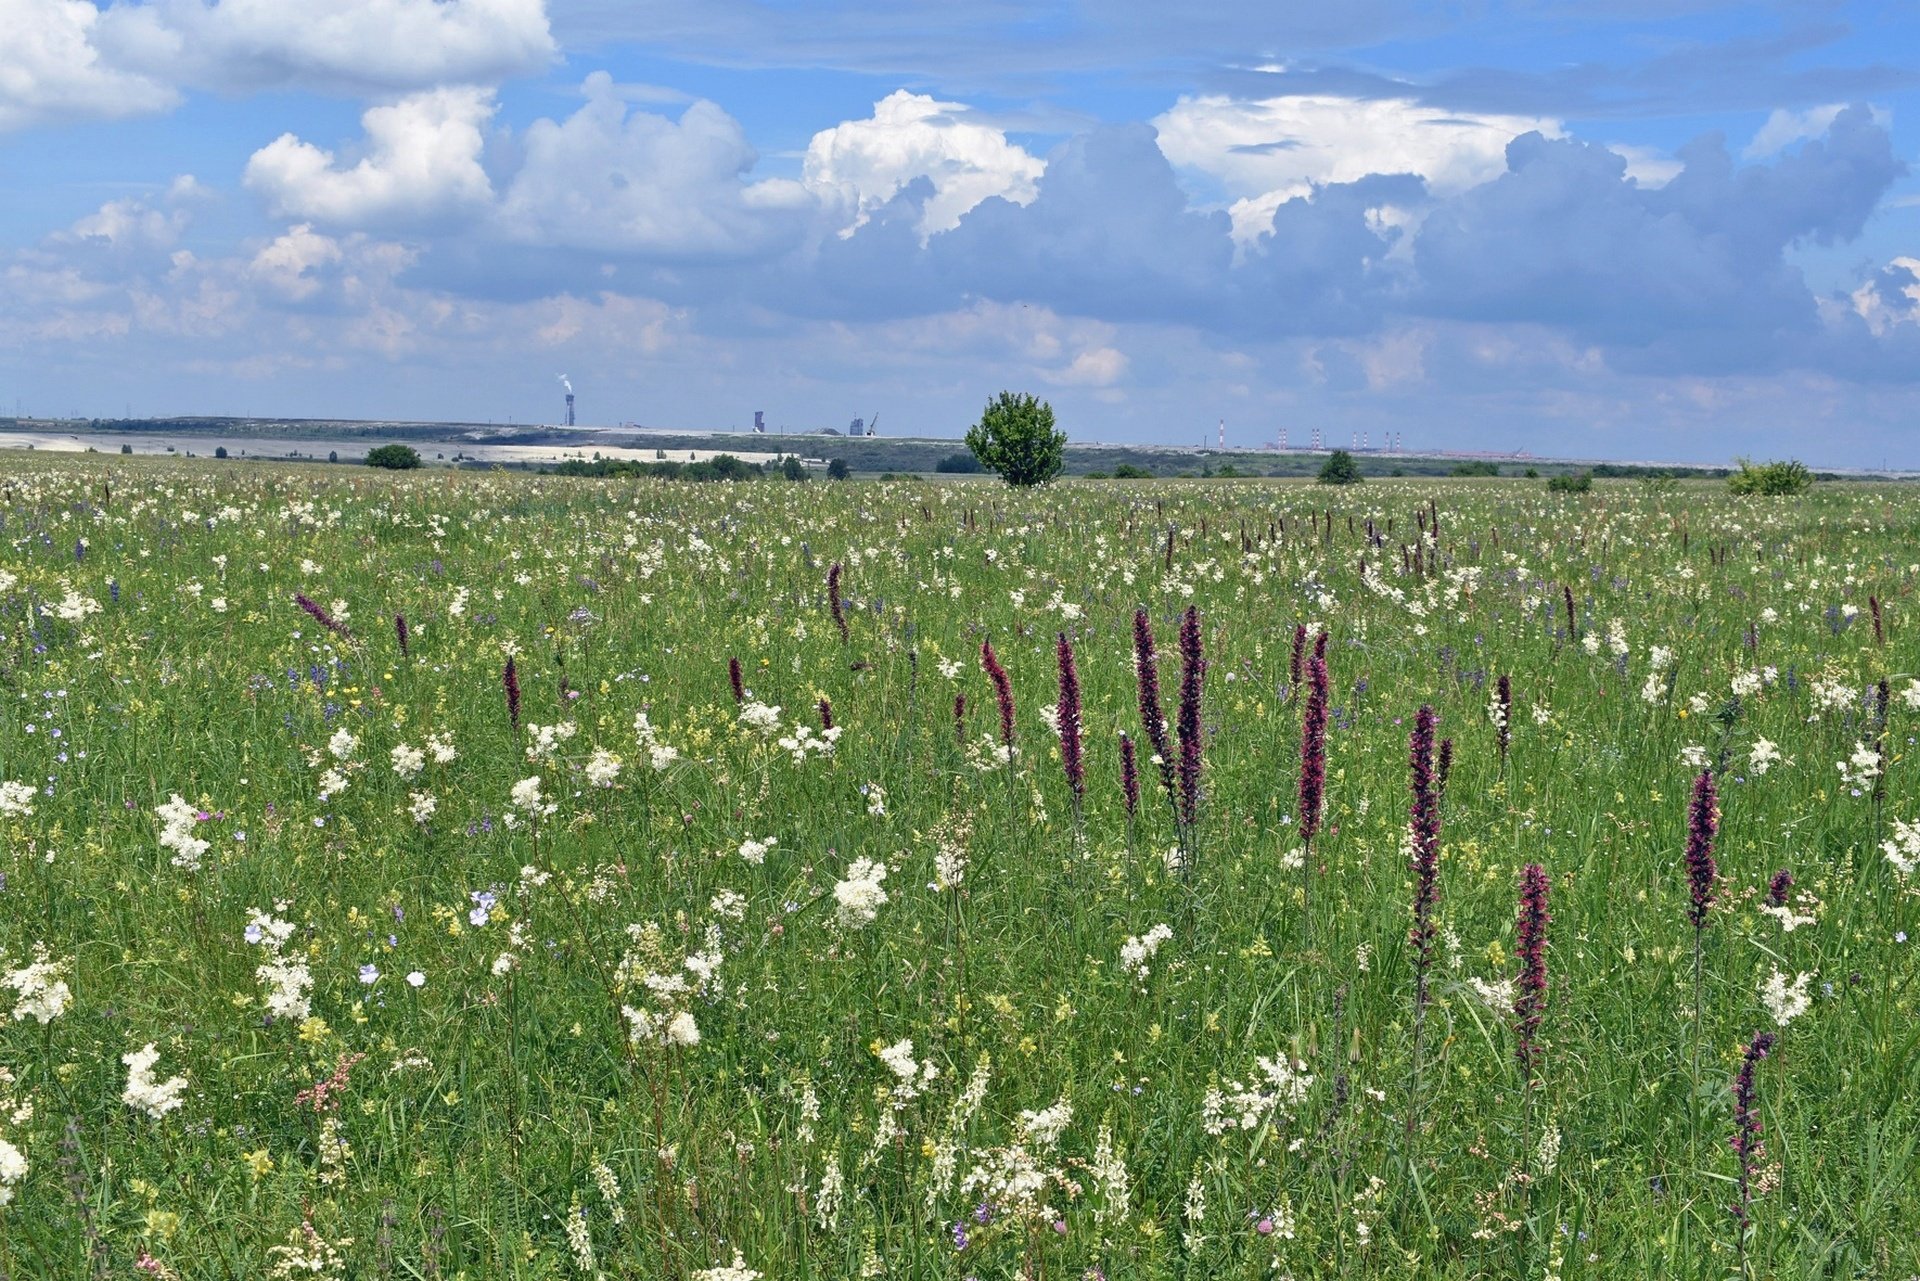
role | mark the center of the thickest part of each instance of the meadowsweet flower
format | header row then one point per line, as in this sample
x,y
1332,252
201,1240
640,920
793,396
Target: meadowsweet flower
x,y
440,748
178,819
16,800
143,1092
342,744
1903,847
13,1168
736,1271
407,761
1764,756
859,897
1272,1096
1138,950
603,768
42,992
755,852
1785,1001
421,806
759,717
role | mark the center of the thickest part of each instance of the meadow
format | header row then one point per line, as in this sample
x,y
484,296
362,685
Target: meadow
x,y
525,938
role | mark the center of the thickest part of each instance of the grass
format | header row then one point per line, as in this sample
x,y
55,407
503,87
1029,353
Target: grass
x,y
504,1111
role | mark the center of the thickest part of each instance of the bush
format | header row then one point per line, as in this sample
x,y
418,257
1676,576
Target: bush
x,y
126,449
1575,482
219,451
1479,467
1016,438
793,469
393,457
838,469
1340,469
1770,480
959,465
1127,471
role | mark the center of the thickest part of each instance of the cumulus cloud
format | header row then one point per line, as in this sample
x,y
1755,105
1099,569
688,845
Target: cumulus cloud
x,y
70,60
52,68
421,162
610,181
913,136
1784,127
1263,152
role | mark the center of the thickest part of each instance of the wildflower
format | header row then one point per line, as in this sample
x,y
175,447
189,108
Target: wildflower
x,y
1703,820
510,683
415,979
13,1168
143,1092
1129,777
16,800
735,681
1530,998
603,768
755,852
1138,950
176,834
1425,833
321,616
1500,712
1067,720
859,896
408,761
1785,1001
737,1270
1147,679
579,1238
1762,757
1002,690
1745,1140
761,718
1903,848
1192,672
400,632
1313,750
342,744
833,601
421,806
42,991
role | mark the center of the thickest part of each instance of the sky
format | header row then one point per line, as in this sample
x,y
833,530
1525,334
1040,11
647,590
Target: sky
x,y
1679,230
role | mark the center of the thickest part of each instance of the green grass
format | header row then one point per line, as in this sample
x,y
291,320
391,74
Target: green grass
x,y
488,1094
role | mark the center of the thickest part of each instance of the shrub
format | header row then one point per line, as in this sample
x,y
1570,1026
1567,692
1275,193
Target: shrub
x,y
1340,469
793,469
219,451
1479,467
959,465
1127,471
1576,482
1770,480
1016,438
838,469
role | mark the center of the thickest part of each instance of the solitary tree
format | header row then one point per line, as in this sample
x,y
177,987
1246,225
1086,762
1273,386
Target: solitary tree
x,y
838,469
393,457
1016,437
1340,469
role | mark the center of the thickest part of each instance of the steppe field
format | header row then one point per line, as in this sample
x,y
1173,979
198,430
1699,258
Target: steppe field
x,y
523,938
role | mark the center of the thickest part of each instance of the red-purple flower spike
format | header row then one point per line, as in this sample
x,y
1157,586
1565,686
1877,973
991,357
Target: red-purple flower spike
x,y
960,718
510,681
1193,670
1002,690
321,616
1296,661
1879,630
400,632
1573,618
1779,886
833,599
1745,1139
1313,750
1424,823
826,714
1446,766
736,680
1320,645
1146,672
1530,989
1129,777
1067,719
1703,822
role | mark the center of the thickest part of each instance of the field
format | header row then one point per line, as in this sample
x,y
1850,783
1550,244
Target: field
x,y
331,952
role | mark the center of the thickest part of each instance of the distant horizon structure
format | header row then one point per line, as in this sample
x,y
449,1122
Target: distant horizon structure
x,y
1283,440
1223,433
569,389
1315,446
760,422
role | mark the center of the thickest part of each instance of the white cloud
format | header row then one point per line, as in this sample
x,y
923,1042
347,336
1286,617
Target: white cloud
x,y
290,263
1647,166
1891,298
1784,128
51,68
608,181
64,60
1098,367
911,136
1263,152
422,161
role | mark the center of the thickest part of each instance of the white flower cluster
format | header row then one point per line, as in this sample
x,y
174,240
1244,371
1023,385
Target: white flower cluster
x,y
1014,1178
760,718
1860,768
659,755
407,760
1903,849
859,897
287,979
526,801
1138,950
755,852
735,1271
1235,1106
1764,756
176,833
16,800
544,741
603,768
801,742
143,1092
1785,1001
42,992
670,987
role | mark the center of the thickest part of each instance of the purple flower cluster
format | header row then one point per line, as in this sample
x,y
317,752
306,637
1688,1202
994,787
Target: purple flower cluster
x,y
321,616
510,681
1002,690
1503,690
1129,776
1777,887
1530,989
1296,660
1146,673
1313,749
1193,667
1068,719
833,600
400,632
1703,821
1745,1139
736,681
1424,820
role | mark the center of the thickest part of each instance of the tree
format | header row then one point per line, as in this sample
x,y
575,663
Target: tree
x,y
1770,480
1578,482
838,469
958,465
393,457
1340,469
1016,437
219,451
793,469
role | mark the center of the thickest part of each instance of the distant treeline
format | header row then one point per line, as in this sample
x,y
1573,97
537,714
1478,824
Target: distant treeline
x,y
719,467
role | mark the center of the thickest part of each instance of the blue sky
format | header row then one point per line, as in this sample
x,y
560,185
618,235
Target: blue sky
x,y
1684,229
